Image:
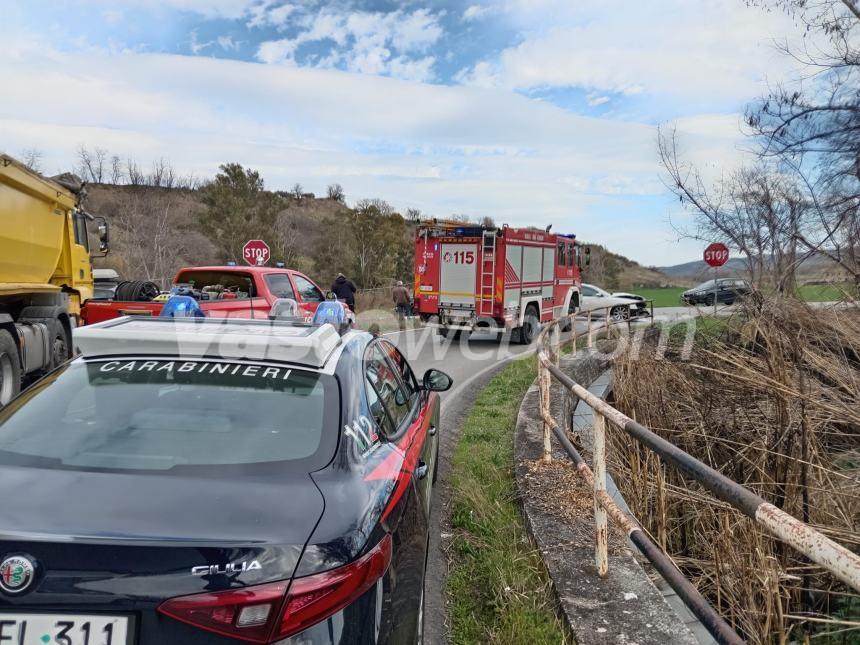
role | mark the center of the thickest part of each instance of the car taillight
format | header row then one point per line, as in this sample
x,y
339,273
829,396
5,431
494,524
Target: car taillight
x,y
269,612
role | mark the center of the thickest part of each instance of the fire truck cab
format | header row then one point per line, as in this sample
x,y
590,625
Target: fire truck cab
x,y
502,280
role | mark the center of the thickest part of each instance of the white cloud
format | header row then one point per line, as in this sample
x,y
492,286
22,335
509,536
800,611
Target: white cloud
x,y
277,51
196,46
365,42
720,51
268,13
228,44
595,99
443,149
475,12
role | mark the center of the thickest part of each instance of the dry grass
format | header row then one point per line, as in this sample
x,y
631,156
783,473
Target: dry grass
x,y
773,402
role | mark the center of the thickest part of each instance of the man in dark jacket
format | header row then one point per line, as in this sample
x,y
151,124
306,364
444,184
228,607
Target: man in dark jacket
x,y
344,290
402,303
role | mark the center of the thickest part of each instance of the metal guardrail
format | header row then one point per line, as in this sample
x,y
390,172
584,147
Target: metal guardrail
x,y
838,560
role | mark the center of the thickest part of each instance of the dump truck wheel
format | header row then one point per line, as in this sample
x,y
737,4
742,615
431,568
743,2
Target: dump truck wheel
x,y
10,368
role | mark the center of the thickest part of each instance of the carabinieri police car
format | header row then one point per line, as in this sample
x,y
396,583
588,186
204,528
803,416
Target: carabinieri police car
x,y
188,481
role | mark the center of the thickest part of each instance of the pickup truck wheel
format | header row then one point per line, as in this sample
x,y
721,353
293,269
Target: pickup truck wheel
x,y
10,368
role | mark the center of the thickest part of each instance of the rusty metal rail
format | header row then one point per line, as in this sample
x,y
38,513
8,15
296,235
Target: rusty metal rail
x,y
838,560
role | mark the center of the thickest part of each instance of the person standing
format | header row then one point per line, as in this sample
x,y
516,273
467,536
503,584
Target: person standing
x,y
344,289
402,300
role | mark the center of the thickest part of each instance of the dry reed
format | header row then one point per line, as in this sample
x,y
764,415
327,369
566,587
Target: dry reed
x,y
772,400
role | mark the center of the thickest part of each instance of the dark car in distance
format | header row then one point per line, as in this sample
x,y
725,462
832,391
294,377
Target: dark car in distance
x,y
724,290
196,481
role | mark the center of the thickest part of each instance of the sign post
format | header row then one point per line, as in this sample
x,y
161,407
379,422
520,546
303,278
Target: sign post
x,y
256,252
716,255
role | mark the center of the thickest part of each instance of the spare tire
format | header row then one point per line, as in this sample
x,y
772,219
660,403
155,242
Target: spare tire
x,y
136,291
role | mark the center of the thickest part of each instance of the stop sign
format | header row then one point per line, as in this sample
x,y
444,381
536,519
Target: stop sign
x,y
256,252
717,254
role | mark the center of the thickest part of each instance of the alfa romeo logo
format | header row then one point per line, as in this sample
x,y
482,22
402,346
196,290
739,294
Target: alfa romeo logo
x,y
16,574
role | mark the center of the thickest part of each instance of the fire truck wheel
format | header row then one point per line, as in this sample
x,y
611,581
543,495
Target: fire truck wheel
x,y
530,328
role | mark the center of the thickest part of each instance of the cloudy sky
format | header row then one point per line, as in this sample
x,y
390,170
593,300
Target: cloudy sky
x,y
530,111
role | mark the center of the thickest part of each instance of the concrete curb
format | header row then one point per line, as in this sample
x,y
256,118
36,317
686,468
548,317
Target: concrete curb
x,y
625,607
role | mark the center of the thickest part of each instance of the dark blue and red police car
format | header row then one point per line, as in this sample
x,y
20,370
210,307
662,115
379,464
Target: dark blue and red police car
x,y
188,481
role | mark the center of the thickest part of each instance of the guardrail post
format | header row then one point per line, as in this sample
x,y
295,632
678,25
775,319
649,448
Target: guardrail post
x,y
590,340
544,383
601,533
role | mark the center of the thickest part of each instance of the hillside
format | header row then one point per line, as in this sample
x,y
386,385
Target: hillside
x,y
156,230
815,269
618,273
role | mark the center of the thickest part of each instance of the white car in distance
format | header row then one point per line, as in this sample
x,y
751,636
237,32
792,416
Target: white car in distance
x,y
595,299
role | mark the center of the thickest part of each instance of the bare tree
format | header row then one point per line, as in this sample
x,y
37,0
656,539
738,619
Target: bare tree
x,y
813,131
297,192
335,193
116,174
133,173
413,214
755,210
92,164
33,158
162,174
288,238
374,207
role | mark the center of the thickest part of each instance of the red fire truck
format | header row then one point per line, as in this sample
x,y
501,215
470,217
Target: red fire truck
x,y
469,277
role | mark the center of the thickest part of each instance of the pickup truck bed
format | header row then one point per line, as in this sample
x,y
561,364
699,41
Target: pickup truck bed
x,y
223,292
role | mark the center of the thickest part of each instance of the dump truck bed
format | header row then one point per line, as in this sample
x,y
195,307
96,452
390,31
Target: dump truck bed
x,y
35,211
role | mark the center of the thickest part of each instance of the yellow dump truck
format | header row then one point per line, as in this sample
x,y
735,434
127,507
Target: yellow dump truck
x,y
45,271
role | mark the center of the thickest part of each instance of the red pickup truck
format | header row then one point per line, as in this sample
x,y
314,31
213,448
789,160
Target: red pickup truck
x,y
223,292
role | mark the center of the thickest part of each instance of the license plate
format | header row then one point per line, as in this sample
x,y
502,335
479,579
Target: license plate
x,y
63,629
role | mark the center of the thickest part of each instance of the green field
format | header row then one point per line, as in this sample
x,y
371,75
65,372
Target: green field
x,y
671,296
822,292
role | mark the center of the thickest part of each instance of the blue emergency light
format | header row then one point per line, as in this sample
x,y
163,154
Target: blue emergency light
x,y
181,307
331,311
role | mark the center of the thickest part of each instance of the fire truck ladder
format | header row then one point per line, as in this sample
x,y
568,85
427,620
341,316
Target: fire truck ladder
x,y
488,273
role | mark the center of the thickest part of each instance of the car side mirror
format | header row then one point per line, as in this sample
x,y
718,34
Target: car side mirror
x,y
437,381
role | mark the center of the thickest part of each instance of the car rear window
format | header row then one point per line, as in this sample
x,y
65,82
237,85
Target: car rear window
x,y
241,284
161,415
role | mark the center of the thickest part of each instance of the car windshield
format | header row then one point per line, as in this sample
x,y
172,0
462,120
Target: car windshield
x,y
705,285
162,415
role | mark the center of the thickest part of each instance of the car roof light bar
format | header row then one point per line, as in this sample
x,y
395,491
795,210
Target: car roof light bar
x,y
263,340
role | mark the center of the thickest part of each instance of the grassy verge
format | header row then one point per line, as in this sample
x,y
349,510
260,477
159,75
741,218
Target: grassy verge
x,y
498,588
